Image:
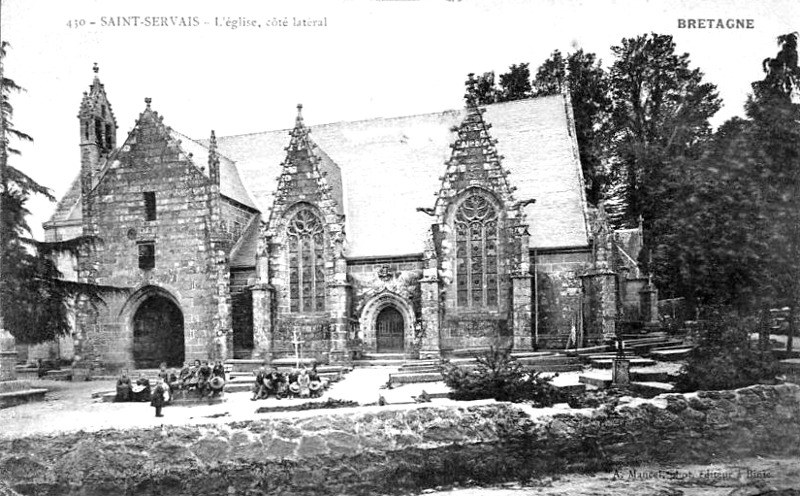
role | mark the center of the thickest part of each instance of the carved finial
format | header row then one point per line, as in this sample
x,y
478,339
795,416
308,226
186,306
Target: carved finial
x,y
95,68
213,140
148,100
299,120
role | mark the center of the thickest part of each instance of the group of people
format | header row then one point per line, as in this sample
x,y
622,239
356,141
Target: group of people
x,y
201,377
298,383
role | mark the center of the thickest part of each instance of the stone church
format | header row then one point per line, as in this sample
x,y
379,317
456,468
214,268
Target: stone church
x,y
426,235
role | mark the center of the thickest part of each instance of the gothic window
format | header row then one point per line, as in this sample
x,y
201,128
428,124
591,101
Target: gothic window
x,y
306,262
477,257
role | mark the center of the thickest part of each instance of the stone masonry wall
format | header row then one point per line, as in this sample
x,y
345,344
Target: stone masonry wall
x,y
185,265
397,450
558,289
399,277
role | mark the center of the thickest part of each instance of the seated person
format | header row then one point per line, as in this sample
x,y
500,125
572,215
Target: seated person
x,y
218,370
303,382
204,375
184,373
192,377
259,389
316,384
141,390
123,387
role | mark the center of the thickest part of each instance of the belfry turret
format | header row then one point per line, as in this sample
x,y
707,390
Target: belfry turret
x,y
98,129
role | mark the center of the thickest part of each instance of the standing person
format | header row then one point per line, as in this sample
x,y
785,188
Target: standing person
x,y
157,399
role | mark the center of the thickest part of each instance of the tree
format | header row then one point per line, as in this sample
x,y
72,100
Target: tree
x,y
481,90
551,76
776,147
515,84
34,298
658,124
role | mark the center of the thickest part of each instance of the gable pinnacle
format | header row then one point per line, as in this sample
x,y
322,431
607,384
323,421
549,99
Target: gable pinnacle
x,y
148,100
95,68
299,119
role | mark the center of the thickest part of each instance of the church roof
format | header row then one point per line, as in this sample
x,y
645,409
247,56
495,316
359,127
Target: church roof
x,y
69,207
391,166
243,253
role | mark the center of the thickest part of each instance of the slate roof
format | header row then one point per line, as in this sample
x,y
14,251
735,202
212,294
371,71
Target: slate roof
x,y
69,207
230,184
383,169
243,253
391,166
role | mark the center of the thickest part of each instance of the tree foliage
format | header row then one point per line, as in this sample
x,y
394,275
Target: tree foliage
x,y
515,84
36,299
500,376
725,357
660,115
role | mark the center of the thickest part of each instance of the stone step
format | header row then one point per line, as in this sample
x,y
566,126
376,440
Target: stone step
x,y
378,363
59,375
384,356
14,398
600,382
651,388
671,355
650,376
414,378
635,362
178,400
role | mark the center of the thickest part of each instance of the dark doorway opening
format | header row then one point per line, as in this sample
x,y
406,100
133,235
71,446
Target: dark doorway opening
x,y
158,334
390,331
242,317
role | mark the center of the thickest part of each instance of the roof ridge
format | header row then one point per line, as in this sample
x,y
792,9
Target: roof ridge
x,y
396,117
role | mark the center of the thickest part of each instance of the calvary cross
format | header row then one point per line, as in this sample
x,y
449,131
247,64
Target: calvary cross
x,y
296,342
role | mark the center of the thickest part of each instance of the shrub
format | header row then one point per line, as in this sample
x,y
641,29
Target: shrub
x,y
500,376
725,357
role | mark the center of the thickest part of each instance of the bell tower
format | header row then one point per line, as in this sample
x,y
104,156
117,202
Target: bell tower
x,y
98,129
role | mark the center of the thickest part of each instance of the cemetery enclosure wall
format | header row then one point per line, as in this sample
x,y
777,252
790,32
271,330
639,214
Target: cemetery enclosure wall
x,y
404,447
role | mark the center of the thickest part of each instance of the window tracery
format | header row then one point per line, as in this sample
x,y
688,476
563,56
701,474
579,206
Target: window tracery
x,y
305,237
477,255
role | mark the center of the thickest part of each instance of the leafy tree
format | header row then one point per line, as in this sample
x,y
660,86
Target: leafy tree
x,y
657,129
776,148
34,298
551,76
515,84
481,90
725,357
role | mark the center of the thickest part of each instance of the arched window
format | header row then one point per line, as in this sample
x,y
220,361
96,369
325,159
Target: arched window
x,y
477,257
306,262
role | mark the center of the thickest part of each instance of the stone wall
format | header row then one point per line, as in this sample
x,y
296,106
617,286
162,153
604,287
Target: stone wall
x,y
404,449
186,219
558,291
384,282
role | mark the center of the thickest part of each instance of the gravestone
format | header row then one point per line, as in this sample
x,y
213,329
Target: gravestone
x,y
8,356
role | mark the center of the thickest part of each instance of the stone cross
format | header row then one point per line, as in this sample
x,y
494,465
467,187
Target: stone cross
x,y
296,342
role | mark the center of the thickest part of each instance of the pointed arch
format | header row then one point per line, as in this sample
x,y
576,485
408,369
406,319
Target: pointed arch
x,y
476,220
305,240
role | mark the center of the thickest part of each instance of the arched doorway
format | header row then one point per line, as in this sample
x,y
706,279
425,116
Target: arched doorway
x,y
389,330
158,333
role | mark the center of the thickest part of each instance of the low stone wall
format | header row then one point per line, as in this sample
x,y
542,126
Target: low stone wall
x,y
390,451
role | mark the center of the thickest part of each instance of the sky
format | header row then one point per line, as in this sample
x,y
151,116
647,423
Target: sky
x,y
370,59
